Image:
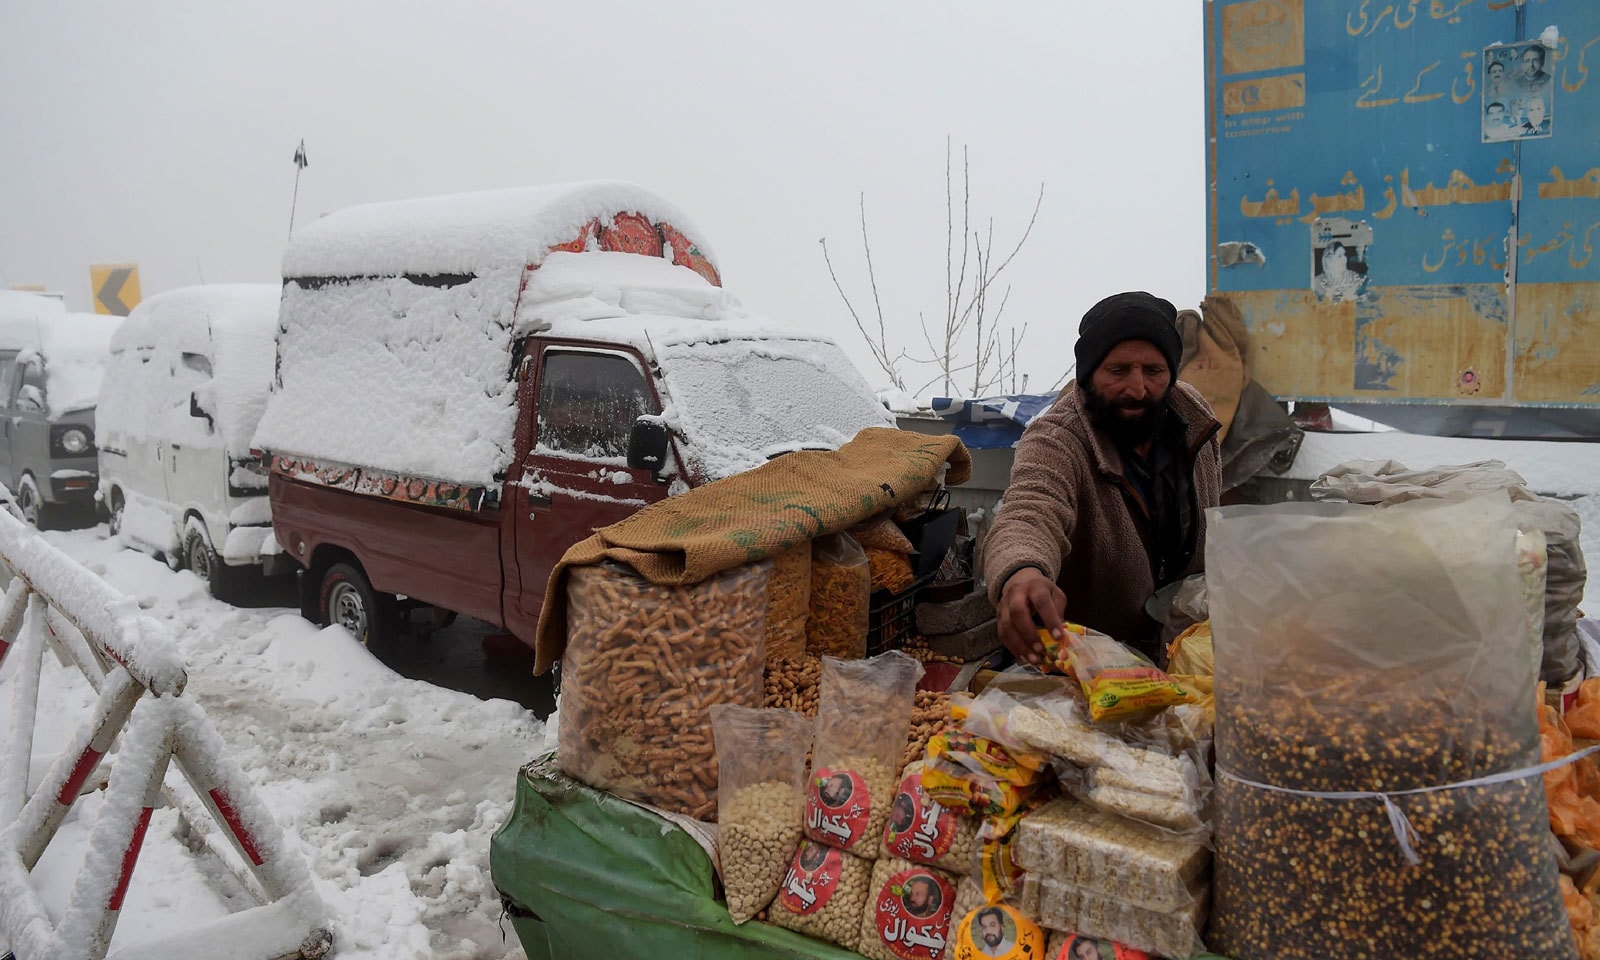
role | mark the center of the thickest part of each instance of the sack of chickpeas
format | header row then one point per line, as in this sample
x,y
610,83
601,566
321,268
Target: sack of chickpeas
x,y
922,830
907,915
761,761
822,894
644,664
863,717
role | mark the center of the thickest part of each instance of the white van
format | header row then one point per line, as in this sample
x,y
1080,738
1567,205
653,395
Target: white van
x,y
51,362
184,388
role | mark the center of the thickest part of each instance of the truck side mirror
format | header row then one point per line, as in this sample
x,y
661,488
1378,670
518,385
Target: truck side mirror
x,y
29,398
647,445
195,410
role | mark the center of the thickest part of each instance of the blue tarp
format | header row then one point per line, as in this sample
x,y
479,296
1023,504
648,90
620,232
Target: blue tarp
x,y
992,423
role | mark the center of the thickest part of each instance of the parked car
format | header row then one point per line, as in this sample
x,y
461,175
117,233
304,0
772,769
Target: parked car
x,y
185,385
51,362
469,385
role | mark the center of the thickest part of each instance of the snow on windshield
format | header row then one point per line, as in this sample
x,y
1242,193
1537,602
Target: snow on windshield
x,y
739,403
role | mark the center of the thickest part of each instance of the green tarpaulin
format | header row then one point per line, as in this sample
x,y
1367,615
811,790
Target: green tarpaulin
x,y
587,876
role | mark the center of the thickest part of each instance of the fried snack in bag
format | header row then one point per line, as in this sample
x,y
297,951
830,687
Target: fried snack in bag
x,y
1570,791
1583,719
1119,683
1191,652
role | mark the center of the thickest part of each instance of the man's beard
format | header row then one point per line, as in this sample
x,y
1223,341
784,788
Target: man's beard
x,y
1124,430
993,939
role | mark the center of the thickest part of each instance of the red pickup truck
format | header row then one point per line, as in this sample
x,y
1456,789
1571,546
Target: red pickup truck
x,y
468,385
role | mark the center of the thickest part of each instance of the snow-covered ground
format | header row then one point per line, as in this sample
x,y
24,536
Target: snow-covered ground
x,y
391,787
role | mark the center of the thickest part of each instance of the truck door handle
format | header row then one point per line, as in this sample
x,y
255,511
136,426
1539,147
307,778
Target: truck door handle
x,y
538,500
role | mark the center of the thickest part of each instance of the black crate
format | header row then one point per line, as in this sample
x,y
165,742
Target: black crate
x,y
892,619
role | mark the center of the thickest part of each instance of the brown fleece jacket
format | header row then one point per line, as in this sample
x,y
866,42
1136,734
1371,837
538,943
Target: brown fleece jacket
x,y
1065,512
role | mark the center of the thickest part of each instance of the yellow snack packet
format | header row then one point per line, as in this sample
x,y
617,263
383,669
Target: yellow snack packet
x,y
1118,682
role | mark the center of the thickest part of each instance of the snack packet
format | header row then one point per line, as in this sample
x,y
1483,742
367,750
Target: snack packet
x,y
1119,683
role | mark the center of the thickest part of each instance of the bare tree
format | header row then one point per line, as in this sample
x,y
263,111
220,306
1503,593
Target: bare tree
x,y
968,338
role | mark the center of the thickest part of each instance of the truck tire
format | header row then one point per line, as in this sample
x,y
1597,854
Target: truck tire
x,y
204,563
31,502
346,598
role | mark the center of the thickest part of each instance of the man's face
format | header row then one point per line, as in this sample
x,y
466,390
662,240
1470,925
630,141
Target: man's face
x,y
992,932
1535,111
919,894
1335,261
1532,62
1126,392
1497,72
1497,115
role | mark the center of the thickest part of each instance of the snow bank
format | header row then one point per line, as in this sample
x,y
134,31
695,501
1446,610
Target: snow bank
x,y
213,341
392,788
468,233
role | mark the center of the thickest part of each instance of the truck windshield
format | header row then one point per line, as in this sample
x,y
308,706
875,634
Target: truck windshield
x,y
740,403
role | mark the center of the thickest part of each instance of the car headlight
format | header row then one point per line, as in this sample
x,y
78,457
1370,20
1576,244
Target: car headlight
x,y
75,440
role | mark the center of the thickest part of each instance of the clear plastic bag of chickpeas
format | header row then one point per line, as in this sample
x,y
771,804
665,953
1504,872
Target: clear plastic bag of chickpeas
x,y
761,776
863,718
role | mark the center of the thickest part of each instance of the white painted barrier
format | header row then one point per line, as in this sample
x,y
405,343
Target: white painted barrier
x,y
134,666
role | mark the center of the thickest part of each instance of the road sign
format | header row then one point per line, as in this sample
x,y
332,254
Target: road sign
x,y
116,288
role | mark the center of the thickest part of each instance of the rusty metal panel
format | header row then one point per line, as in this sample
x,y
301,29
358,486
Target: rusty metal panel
x,y
1405,196
1558,342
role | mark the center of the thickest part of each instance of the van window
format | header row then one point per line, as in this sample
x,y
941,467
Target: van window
x,y
588,402
8,377
199,363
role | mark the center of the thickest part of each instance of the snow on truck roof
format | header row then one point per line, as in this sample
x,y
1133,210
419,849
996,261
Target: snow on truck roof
x,y
641,301
466,233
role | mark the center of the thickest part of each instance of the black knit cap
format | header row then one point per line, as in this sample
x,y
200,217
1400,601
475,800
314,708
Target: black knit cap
x,y
1128,316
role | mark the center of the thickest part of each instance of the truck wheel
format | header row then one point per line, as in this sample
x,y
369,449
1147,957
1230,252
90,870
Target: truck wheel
x,y
347,599
32,504
204,563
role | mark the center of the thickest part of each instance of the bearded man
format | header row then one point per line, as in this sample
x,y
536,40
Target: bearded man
x,y
1109,487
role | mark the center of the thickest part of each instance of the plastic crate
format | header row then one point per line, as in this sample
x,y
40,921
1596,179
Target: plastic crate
x,y
892,618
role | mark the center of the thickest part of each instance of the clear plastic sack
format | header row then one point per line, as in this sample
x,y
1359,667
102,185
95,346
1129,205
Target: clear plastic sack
x,y
924,831
1371,650
841,598
789,603
644,664
822,894
863,720
761,760
908,910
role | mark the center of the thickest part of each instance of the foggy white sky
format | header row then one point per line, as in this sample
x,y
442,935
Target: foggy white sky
x,y
162,133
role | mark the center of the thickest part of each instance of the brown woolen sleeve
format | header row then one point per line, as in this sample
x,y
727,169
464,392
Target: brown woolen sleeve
x,y
1039,509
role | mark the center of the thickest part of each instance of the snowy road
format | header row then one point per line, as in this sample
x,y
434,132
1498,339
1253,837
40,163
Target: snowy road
x,y
392,786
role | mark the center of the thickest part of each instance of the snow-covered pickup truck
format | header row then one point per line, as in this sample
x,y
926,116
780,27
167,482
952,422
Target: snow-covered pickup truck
x,y
468,385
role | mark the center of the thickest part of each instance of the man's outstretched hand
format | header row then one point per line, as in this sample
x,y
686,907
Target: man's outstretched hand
x,y
1029,601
